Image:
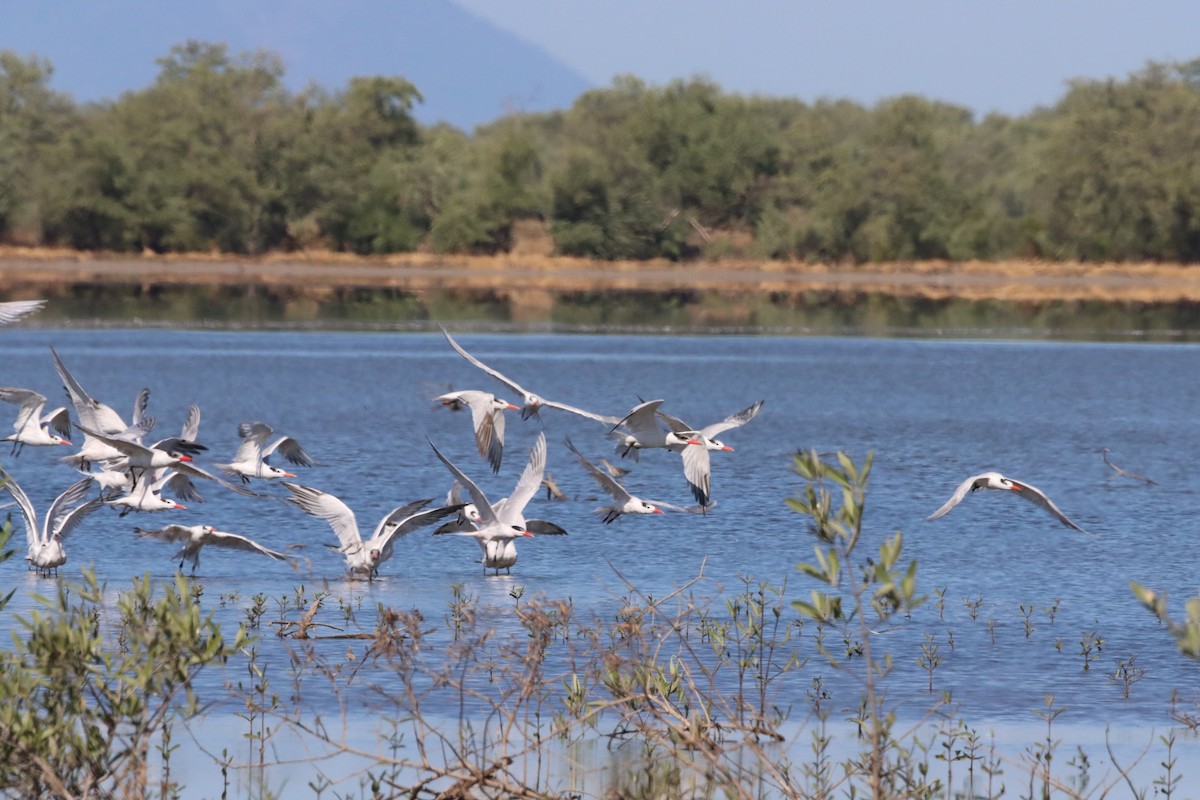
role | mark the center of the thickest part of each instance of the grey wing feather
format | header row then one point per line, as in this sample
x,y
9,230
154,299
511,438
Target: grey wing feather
x,y
956,498
733,420
489,432
60,420
329,508
509,382
606,481
68,509
191,424
528,484
486,514
238,542
697,470
32,533
168,533
641,419
604,418
418,520
291,450
1039,498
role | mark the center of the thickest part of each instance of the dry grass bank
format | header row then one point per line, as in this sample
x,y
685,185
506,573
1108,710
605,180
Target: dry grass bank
x,y
23,270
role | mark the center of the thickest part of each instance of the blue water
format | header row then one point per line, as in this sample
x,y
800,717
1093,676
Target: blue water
x,y
933,413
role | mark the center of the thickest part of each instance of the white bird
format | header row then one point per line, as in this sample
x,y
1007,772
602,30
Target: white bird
x,y
501,525
250,460
138,458
641,429
94,415
487,417
531,403
623,501
196,537
13,310
143,498
32,427
98,416
994,480
45,551
363,558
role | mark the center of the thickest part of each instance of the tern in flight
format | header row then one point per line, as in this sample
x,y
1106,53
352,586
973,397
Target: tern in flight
x,y
647,426
531,403
994,480
251,458
32,426
487,417
623,501
195,537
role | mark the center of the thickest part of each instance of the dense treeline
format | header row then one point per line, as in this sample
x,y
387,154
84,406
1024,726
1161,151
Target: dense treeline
x,y
217,155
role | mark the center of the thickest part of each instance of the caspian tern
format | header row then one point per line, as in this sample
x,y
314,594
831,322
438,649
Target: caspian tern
x,y
195,537
623,501
500,525
531,403
13,310
138,458
647,426
363,558
250,461
32,427
487,417
994,480
145,496
94,415
45,551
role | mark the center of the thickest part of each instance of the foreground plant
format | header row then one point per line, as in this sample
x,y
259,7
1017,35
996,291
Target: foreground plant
x,y
88,693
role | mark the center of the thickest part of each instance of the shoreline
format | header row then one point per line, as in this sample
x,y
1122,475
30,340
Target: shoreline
x,y
26,273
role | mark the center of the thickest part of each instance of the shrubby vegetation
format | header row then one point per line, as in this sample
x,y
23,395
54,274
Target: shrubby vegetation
x,y
686,693
217,155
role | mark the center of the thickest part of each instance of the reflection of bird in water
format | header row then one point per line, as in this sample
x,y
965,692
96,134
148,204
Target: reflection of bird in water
x,y
1120,472
613,469
994,480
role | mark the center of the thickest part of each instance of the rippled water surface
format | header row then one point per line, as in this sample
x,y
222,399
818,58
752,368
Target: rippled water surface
x,y
933,412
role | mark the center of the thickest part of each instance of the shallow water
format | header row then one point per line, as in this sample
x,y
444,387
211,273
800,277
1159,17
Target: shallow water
x,y
933,412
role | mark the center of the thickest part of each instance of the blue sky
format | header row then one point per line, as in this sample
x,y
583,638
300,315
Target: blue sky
x,y
476,59
1007,56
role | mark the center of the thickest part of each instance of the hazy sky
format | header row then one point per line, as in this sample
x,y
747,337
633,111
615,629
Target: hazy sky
x,y
1008,56
471,61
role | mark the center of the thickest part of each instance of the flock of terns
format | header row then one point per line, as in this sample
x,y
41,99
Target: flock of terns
x,y
136,475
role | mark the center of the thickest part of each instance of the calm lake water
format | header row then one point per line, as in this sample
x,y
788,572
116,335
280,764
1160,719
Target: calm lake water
x,y
932,411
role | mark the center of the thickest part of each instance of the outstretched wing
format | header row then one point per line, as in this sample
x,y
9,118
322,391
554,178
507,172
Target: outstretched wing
x,y
486,515
606,481
733,420
235,541
70,508
291,450
955,498
509,382
167,533
32,533
13,310
329,508
528,484
1039,498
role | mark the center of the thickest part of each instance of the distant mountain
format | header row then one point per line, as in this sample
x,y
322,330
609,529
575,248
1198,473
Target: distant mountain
x,y
468,70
